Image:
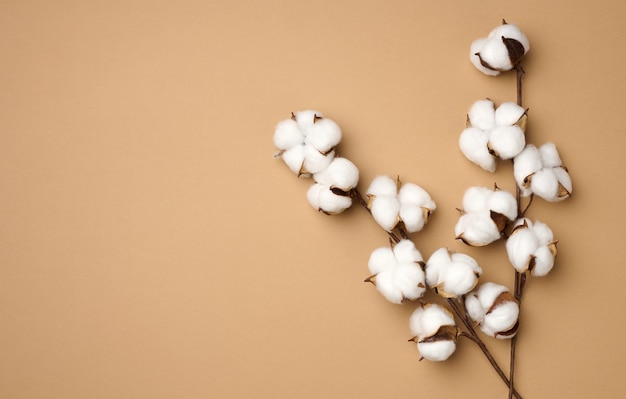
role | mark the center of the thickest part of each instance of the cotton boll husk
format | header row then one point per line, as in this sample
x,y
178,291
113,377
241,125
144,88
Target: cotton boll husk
x,y
564,178
287,134
545,184
383,185
520,246
503,202
385,210
475,199
381,259
544,261
508,113
323,135
294,158
475,48
549,155
507,141
482,114
496,55
473,143
314,161
511,31
477,229
341,173
405,252
437,351
502,318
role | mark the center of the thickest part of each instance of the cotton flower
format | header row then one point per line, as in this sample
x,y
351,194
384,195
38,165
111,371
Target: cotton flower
x,y
397,272
492,133
500,51
494,309
531,246
434,332
540,171
306,142
392,202
451,274
331,192
485,215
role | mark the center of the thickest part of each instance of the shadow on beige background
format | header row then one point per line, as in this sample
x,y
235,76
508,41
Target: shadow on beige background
x,y
151,247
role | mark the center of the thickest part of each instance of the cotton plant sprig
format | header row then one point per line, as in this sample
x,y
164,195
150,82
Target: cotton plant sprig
x,y
307,144
530,246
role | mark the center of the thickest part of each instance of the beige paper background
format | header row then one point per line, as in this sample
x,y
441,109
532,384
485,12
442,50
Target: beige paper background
x,y
151,247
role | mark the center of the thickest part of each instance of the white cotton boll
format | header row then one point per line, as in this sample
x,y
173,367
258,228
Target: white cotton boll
x,y
474,308
436,265
542,232
475,199
287,134
473,143
549,155
341,173
496,55
294,158
507,141
520,246
412,217
503,202
409,279
323,135
475,48
482,114
459,279
511,31
323,199
381,259
544,261
405,251
545,184
525,164
307,118
437,351
385,210
508,113
413,194
501,319
383,185
489,292
425,321
477,229
314,161
386,286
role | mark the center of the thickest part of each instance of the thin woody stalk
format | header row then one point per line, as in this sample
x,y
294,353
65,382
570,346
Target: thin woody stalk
x,y
471,334
520,278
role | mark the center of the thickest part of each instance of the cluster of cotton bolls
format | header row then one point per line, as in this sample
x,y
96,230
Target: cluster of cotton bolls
x,y
452,274
494,309
434,332
485,215
306,143
493,132
392,202
540,171
500,51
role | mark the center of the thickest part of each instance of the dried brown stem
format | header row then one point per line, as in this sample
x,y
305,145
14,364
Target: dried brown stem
x,y
471,334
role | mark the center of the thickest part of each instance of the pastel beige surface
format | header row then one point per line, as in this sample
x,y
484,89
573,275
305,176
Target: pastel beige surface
x,y
151,247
